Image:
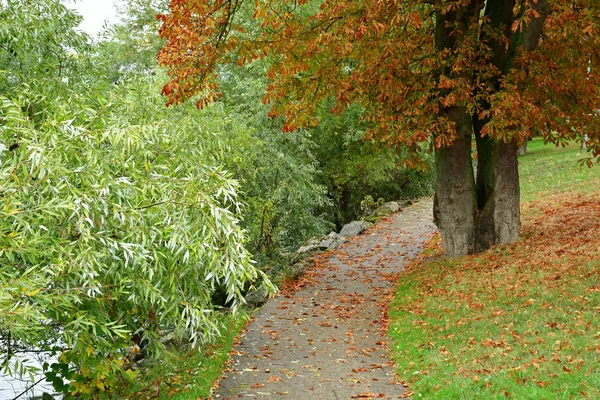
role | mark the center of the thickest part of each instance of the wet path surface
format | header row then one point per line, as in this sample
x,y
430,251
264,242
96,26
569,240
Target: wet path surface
x,y
328,340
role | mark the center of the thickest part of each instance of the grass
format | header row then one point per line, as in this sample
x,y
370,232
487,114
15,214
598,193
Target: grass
x,y
547,169
188,374
520,320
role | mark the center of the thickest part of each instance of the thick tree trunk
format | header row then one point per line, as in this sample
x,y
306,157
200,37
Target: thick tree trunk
x,y
471,216
498,193
455,203
475,215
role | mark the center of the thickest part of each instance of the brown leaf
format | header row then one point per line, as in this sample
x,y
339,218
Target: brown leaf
x,y
275,378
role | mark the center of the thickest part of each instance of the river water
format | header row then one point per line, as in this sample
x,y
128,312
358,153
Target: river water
x,y
11,387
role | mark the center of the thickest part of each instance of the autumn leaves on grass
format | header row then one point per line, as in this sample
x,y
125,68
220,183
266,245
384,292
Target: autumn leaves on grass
x,y
519,320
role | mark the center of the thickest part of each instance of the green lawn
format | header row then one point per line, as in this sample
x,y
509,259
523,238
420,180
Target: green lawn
x,y
520,320
547,169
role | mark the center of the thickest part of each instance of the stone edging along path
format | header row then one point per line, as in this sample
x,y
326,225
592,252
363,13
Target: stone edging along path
x,y
328,339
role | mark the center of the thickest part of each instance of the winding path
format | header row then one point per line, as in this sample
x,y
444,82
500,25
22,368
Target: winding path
x,y
328,340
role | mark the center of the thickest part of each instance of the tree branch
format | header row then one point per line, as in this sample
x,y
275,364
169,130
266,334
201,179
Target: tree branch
x,y
534,29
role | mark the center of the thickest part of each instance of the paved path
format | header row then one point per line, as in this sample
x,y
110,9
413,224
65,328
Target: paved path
x,y
328,340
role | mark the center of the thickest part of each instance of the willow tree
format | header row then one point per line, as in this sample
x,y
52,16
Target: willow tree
x,y
429,74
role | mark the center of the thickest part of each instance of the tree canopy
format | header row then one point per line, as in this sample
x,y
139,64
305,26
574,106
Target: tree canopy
x,y
428,74
384,56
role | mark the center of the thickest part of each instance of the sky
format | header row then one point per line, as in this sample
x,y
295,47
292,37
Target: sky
x,y
94,13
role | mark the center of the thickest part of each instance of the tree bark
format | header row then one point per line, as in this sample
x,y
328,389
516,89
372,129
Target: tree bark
x,y
455,202
455,205
522,149
498,193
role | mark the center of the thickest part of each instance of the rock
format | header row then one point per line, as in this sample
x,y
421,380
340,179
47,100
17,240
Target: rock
x,y
329,242
297,270
355,228
303,252
407,203
387,208
170,339
314,244
255,298
391,206
143,363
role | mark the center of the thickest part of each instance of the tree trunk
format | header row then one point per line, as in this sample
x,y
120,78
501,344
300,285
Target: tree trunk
x,y
474,215
522,149
455,203
498,193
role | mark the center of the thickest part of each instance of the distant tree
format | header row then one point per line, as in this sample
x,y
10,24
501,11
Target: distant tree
x,y
37,38
279,183
131,43
428,72
38,50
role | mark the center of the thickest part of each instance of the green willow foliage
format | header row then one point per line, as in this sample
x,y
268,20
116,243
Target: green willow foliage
x,y
117,225
280,184
280,178
110,234
354,168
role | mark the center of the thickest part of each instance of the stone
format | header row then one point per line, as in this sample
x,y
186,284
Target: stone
x,y
297,270
387,208
329,242
355,228
255,298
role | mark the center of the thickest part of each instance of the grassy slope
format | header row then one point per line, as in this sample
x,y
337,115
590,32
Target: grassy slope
x,y
187,375
520,320
547,169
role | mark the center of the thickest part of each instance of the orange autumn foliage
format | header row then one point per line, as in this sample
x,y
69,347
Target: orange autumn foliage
x,y
382,54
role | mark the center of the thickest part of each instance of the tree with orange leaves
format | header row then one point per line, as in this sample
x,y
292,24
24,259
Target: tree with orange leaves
x,y
429,74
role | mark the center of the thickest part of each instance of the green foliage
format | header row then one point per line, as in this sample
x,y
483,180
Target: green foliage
x,y
368,204
130,46
38,45
317,177
185,373
281,184
110,234
281,191
354,168
117,222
